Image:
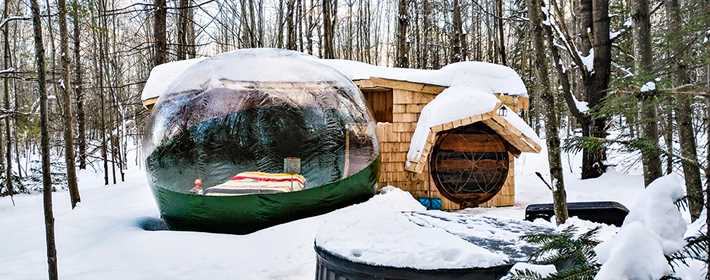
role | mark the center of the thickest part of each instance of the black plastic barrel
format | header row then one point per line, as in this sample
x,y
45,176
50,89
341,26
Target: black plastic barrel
x,y
332,267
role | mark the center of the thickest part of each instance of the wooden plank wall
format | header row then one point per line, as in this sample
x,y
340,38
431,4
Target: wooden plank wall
x,y
380,103
395,138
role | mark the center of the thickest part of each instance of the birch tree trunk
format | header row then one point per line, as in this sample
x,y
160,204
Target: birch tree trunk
x,y
44,143
551,118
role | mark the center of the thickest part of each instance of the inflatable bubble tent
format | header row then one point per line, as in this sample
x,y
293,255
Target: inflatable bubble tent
x,y
249,110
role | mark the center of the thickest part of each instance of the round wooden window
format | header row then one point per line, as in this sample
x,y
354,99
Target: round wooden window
x,y
469,164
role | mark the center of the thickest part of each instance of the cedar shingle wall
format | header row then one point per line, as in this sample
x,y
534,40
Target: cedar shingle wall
x,y
394,143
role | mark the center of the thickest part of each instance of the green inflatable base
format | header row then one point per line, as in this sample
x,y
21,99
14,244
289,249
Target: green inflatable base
x,y
249,213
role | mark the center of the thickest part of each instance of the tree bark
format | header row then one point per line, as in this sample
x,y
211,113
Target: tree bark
x,y
329,17
183,29
596,84
159,33
98,42
81,123
402,44
706,8
290,25
550,112
309,28
501,38
6,89
643,64
44,140
65,87
683,111
667,131
456,54
427,19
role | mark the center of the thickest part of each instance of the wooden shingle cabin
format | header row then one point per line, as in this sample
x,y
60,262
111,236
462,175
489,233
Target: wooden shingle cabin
x,y
457,153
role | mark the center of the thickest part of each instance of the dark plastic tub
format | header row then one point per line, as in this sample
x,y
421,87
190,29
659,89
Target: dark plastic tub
x,y
607,212
332,267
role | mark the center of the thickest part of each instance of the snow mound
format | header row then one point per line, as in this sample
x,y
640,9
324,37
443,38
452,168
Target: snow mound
x,y
653,227
485,77
163,75
637,254
376,232
456,102
656,210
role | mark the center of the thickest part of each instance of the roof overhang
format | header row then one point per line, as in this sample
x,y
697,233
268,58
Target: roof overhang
x,y
497,123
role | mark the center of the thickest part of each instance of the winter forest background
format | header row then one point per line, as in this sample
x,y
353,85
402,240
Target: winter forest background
x,y
606,76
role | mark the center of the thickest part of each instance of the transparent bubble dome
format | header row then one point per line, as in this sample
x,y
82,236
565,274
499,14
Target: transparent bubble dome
x,y
250,109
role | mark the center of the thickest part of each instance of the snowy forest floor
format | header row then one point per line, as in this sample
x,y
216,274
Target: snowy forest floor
x,y
103,239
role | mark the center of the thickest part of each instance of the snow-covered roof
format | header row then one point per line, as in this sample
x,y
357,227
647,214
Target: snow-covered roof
x,y
482,76
268,64
455,107
163,75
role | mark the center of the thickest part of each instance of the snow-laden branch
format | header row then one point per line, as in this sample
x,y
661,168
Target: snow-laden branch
x,y
7,71
12,18
560,28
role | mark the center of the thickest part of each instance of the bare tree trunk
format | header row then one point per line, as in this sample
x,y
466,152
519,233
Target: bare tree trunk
x,y
683,111
402,44
643,64
667,131
551,121
456,54
501,42
81,123
159,33
44,139
290,25
182,30
279,23
98,42
6,88
427,19
329,17
65,87
309,28
706,8
596,85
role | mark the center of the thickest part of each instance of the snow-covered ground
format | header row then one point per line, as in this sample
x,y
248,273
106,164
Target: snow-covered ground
x,y
102,239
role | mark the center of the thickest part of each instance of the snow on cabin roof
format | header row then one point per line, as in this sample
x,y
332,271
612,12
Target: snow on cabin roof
x,y
482,76
456,106
163,75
